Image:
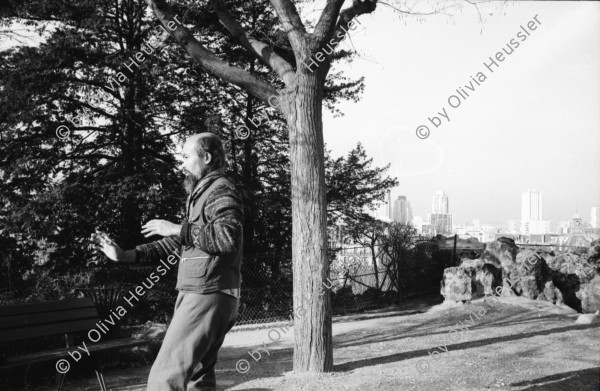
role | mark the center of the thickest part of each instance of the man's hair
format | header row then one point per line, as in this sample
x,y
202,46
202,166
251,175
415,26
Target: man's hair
x,y
211,143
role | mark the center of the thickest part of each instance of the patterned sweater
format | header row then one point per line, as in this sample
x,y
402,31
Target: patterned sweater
x,y
222,234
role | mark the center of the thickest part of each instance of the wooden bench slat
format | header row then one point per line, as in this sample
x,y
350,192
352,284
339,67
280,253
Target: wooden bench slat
x,y
49,329
28,321
68,304
115,344
56,354
43,318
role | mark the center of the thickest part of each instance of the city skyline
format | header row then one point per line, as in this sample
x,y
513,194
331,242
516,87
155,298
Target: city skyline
x,y
515,132
530,229
440,202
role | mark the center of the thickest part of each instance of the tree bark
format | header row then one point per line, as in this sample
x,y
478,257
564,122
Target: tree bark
x,y
313,350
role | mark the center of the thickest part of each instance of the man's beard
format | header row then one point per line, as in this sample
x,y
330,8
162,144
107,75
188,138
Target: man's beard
x,y
190,182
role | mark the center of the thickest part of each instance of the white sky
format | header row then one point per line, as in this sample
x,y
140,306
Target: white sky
x,y
534,123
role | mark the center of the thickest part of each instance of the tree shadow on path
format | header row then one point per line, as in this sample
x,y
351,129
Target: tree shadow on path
x,y
583,380
351,365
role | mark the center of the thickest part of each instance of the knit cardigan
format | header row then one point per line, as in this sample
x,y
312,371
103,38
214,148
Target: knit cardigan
x,y
222,235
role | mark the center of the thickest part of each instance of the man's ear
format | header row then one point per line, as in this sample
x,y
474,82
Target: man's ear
x,y
207,157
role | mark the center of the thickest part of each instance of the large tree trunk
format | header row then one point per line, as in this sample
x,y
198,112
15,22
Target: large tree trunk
x,y
313,349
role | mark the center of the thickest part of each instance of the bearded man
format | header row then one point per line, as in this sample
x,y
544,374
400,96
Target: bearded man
x,y
209,244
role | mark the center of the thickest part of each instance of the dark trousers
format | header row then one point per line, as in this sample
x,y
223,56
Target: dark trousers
x,y
186,360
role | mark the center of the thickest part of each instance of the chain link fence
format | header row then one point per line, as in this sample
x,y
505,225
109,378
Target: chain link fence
x,y
356,284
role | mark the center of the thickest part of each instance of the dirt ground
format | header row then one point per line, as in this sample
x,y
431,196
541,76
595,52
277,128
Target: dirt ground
x,y
514,344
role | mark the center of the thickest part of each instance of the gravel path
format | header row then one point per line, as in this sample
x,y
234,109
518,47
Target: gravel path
x,y
514,344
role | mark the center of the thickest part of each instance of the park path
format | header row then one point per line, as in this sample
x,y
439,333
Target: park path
x,y
514,344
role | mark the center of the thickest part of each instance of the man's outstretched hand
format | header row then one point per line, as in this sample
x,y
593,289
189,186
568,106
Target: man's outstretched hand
x,y
108,246
160,227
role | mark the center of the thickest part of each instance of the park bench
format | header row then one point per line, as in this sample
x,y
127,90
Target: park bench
x,y
65,317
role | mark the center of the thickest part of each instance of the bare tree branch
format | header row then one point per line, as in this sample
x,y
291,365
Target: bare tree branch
x,y
86,105
326,23
346,15
259,49
88,157
292,24
207,60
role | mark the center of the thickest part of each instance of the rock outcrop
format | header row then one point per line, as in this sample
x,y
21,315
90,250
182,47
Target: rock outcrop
x,y
593,255
530,273
571,274
457,284
501,253
551,294
568,278
589,294
578,265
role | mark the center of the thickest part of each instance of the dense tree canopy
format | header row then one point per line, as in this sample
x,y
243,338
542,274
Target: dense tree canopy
x,y
91,130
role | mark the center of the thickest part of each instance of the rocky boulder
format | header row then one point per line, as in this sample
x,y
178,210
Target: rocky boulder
x,y
484,275
593,255
570,272
457,284
569,278
551,294
547,255
472,279
490,277
589,294
568,284
529,274
501,253
569,263
467,254
555,262
588,319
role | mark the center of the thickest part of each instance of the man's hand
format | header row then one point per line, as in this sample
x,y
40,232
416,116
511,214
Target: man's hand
x,y
111,249
108,246
160,227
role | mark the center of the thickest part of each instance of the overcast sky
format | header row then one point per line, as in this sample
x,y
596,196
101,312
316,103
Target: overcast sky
x,y
533,123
